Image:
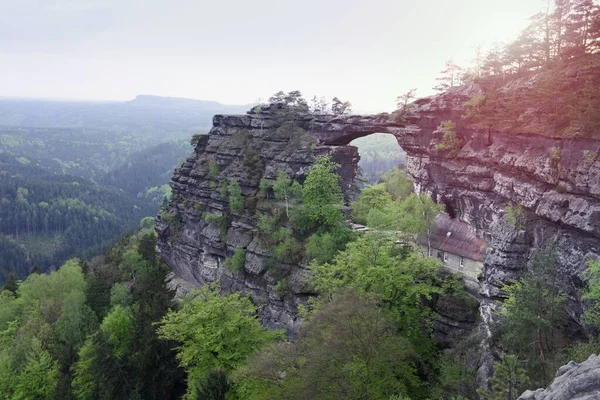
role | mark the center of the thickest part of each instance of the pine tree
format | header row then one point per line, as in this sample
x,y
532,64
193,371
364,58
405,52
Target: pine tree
x,y
11,283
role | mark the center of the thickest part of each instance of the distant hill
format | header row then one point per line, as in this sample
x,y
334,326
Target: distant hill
x,y
74,175
149,115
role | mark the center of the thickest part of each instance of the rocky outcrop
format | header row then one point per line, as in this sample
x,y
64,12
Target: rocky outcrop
x,y
556,180
574,381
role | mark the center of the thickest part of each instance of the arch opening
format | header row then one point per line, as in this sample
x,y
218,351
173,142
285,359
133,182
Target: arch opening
x,y
379,153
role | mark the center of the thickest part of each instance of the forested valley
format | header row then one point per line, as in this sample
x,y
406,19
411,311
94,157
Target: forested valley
x,y
74,176
111,328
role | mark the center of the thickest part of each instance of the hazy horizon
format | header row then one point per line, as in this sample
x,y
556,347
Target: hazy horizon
x,y
235,52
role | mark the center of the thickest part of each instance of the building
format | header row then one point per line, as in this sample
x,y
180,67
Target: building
x,y
455,245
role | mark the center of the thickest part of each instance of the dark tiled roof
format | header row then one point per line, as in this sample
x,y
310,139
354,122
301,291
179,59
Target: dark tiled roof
x,y
453,236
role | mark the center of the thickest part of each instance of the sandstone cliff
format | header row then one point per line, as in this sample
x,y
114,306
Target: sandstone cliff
x,y
556,180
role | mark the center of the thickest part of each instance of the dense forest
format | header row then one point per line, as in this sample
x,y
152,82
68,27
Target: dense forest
x,y
110,328
545,82
75,175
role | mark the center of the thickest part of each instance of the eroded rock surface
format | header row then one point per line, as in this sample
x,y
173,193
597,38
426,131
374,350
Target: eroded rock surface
x,y
574,381
557,181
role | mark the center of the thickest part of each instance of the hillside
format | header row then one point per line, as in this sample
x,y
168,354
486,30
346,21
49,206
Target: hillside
x,y
111,159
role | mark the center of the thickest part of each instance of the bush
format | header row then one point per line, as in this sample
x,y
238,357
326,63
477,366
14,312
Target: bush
x,y
450,141
237,261
515,216
264,188
236,200
322,247
213,170
282,288
172,221
195,139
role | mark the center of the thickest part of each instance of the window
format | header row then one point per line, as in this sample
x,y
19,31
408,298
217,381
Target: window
x,y
462,263
445,256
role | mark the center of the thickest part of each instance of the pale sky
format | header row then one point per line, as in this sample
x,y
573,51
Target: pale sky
x,y
236,51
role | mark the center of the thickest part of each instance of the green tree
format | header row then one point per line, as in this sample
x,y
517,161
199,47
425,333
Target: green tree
x,y
236,201
39,377
372,197
403,104
592,294
321,194
286,189
533,316
214,332
349,348
11,283
509,380
117,327
339,107
397,184
373,264
214,386
237,261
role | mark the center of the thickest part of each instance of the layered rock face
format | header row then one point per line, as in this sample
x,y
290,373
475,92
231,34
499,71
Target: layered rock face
x,y
574,381
557,182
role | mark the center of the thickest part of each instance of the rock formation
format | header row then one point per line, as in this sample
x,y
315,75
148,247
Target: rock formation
x,y
556,180
574,381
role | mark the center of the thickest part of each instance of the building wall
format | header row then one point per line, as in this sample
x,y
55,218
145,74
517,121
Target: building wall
x,y
470,268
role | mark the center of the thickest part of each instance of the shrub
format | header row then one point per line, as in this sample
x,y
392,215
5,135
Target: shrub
x,y
213,170
264,187
236,200
172,221
289,250
237,261
282,288
450,141
195,139
515,216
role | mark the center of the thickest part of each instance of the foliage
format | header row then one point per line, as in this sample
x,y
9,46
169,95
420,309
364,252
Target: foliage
x,y
372,264
533,316
372,197
172,221
321,194
323,246
285,189
509,380
264,188
451,77
236,201
379,153
349,348
592,294
39,377
515,216
397,184
214,386
237,261
117,327
411,217
450,143
214,332
339,107
403,104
